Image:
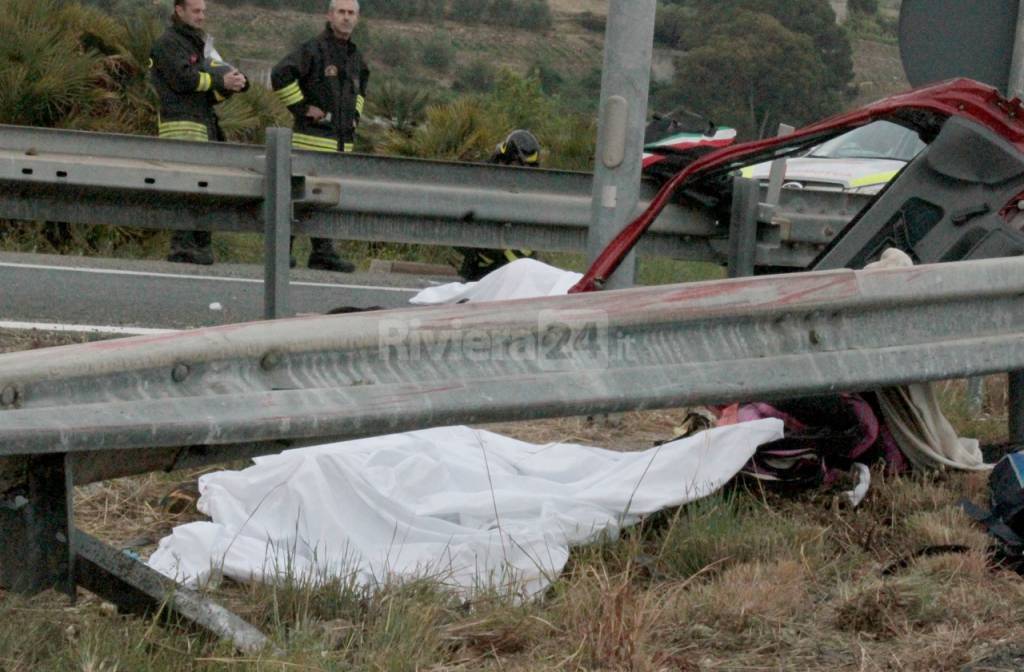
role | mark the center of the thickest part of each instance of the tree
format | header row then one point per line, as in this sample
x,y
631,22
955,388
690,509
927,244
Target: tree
x,y
814,18
752,73
671,24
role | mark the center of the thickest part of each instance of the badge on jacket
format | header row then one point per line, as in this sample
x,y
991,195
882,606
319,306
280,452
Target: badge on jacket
x,y
331,71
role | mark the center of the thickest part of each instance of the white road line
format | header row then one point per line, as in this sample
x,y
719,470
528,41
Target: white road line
x,y
178,276
85,328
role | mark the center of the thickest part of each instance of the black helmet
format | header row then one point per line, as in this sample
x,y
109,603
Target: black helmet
x,y
520,147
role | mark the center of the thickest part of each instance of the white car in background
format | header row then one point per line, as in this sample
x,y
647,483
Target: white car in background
x,y
862,161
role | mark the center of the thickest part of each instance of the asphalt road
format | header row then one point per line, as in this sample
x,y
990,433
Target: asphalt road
x,y
130,294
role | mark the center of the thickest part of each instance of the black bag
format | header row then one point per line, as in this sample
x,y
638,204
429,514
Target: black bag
x,y
1005,521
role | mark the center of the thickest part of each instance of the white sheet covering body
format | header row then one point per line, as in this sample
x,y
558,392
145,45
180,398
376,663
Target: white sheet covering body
x,y
520,279
468,507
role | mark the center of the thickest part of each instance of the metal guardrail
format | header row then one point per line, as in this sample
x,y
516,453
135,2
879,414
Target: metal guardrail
x,y
93,178
78,413
670,345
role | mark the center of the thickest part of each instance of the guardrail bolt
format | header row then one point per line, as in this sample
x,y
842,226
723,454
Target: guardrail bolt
x,y
271,361
9,396
180,372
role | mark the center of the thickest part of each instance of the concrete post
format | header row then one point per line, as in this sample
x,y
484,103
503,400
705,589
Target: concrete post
x,y
625,84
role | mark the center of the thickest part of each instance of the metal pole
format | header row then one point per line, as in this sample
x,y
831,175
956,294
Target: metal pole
x,y
743,227
975,395
1016,87
277,221
625,83
778,172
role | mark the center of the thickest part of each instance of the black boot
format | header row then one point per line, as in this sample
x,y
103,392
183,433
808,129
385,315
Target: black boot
x,y
191,247
324,258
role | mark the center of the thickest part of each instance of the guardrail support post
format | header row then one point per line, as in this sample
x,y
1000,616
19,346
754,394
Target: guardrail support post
x,y
975,394
1015,406
277,221
625,84
746,194
776,176
35,526
1015,396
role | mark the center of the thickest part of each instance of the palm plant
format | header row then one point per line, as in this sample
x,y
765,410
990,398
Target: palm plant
x,y
67,65
246,116
464,130
72,66
46,75
404,106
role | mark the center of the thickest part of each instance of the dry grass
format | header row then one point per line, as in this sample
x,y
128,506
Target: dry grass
x,y
15,340
743,580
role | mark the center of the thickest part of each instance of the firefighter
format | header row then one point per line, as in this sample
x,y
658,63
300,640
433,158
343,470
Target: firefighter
x,y
520,148
323,84
190,79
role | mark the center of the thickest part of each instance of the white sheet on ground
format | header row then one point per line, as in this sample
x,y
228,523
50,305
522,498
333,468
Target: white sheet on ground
x,y
520,279
466,506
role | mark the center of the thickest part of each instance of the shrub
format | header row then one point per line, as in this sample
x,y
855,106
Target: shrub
x,y
869,7
478,76
535,15
550,78
438,52
405,106
503,12
592,22
467,11
393,49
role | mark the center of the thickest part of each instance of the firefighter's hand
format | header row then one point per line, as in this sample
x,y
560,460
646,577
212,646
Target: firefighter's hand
x,y
315,113
234,81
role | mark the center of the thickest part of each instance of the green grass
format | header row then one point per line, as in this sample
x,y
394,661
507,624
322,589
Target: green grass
x,y
650,270
247,248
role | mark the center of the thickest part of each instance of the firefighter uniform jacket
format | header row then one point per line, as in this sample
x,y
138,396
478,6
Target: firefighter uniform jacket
x,y
188,85
331,75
